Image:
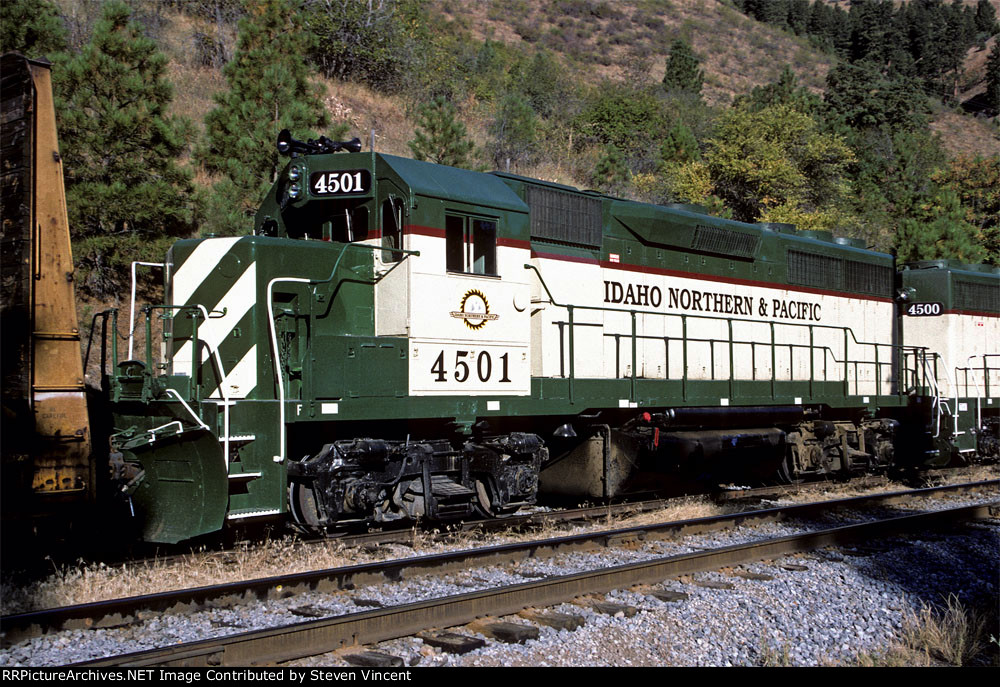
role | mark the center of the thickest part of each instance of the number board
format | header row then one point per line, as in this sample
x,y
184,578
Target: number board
x,y
347,182
924,309
472,369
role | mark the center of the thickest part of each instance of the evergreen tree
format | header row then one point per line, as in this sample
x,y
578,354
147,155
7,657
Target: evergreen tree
x,y
784,91
31,27
269,90
611,173
544,83
126,194
993,80
440,137
939,231
679,146
976,180
798,16
986,18
489,71
514,131
682,70
862,97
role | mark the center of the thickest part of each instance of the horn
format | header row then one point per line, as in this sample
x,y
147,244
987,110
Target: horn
x,y
289,146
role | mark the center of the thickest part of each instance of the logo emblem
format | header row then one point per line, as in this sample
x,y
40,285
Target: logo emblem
x,y
474,310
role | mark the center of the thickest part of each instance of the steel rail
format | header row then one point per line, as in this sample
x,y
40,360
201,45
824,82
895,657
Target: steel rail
x,y
315,637
117,612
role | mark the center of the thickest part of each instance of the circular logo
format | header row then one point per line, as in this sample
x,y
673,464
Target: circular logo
x,y
474,310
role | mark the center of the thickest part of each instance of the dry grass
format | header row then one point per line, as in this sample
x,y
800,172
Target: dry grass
x,y
87,582
950,635
366,110
737,52
965,136
837,490
774,657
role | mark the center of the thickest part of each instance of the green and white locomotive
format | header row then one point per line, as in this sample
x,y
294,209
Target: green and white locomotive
x,y
399,339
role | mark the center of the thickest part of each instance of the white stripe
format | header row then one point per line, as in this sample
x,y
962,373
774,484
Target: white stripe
x,y
237,302
198,266
242,379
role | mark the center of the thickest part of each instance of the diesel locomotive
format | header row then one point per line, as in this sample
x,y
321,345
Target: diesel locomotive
x,y
395,339
400,339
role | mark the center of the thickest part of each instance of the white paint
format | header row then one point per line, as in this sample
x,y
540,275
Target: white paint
x,y
603,344
725,401
493,405
252,514
212,330
623,403
329,408
242,379
198,266
798,400
866,399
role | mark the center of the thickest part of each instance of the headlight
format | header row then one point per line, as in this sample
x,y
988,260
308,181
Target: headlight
x,y
294,173
294,190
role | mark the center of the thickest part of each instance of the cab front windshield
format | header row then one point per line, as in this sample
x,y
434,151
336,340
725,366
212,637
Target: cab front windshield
x,y
344,221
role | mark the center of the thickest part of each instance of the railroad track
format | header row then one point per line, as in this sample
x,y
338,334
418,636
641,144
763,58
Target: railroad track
x,y
125,611
527,521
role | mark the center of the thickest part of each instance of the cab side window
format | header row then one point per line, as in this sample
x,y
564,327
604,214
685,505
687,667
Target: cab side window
x,y
470,244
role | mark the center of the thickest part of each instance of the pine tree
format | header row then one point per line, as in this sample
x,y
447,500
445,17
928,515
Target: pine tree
x,y
784,91
939,232
682,70
679,146
986,18
440,137
31,27
993,80
269,90
126,194
514,131
611,173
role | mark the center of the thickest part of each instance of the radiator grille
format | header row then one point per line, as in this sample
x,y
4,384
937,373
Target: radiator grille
x,y
564,217
724,241
811,269
868,278
981,297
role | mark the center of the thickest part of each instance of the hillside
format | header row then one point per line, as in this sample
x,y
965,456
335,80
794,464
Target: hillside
x,y
622,40
572,91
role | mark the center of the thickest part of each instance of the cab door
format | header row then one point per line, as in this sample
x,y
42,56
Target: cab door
x,y
392,271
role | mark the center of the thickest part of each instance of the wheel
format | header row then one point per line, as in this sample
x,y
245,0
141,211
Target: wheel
x,y
302,502
484,503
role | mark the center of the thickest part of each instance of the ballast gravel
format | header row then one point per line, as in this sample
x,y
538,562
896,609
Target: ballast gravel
x,y
844,602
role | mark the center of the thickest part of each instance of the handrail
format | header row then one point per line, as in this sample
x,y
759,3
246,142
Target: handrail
x,y
900,352
275,355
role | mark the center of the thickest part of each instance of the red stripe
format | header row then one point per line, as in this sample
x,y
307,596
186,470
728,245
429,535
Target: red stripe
x,y
742,282
424,231
439,233
434,232
565,258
